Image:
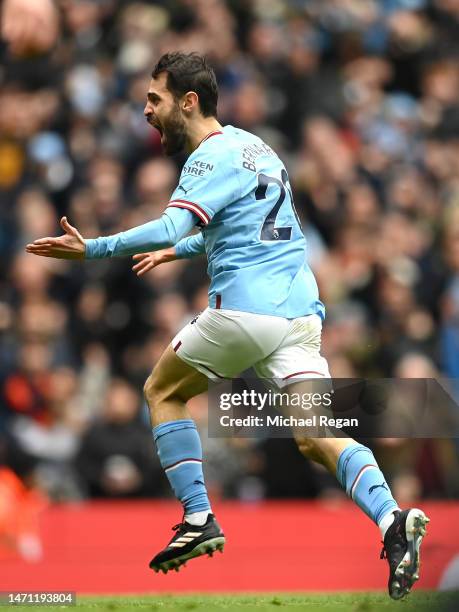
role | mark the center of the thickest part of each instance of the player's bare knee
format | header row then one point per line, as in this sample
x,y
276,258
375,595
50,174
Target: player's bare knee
x,y
153,390
147,390
159,393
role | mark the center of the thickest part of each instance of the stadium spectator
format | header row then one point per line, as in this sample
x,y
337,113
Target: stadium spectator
x,y
114,459
28,26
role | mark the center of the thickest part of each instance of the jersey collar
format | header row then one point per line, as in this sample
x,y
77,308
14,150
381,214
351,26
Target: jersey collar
x,y
215,133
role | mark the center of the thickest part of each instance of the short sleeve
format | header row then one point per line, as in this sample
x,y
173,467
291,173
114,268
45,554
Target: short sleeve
x,y
208,182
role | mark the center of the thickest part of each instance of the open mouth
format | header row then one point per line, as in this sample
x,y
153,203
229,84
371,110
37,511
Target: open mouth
x,y
157,126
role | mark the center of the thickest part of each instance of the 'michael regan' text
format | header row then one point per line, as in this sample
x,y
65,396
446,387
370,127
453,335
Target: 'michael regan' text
x,y
286,421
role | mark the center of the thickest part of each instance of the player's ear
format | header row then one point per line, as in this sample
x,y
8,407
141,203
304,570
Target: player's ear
x,y
190,102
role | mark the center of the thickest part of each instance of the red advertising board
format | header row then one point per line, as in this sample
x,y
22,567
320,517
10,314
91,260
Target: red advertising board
x,y
105,547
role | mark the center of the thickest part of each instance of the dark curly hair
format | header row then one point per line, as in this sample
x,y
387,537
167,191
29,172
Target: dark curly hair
x,y
190,72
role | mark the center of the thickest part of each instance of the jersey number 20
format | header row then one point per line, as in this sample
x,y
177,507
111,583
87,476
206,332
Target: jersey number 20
x,y
269,231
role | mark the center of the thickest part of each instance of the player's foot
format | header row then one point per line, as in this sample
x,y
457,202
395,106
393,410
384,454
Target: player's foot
x,y
401,549
189,541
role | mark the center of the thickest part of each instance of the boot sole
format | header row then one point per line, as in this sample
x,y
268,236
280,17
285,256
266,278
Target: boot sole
x,y
204,548
407,571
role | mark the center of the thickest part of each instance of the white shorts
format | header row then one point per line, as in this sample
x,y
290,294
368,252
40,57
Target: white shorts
x,y
224,343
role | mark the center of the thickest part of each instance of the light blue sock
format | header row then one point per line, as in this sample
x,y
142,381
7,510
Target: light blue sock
x,y
180,453
360,476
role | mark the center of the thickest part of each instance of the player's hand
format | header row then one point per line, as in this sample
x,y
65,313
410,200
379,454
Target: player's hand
x,y
69,246
148,261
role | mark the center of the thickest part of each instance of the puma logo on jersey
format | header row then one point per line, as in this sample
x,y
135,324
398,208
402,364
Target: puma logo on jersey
x,y
185,191
371,489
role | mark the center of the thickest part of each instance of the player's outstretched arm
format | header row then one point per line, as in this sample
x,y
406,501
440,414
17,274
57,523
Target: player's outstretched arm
x,y
155,235
69,246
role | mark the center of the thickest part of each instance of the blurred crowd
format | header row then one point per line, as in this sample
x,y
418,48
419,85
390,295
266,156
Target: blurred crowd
x,y
361,101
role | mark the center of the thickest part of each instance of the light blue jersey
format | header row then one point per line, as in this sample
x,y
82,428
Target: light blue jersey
x,y
254,243
238,190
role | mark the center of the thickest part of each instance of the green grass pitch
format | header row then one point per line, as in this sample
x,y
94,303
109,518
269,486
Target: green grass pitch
x,y
421,601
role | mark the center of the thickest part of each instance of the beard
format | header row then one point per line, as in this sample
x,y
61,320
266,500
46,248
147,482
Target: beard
x,y
173,133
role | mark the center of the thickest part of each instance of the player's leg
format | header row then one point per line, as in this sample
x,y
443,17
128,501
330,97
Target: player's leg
x,y
298,359
356,469
167,390
215,345
360,476
354,465
171,384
